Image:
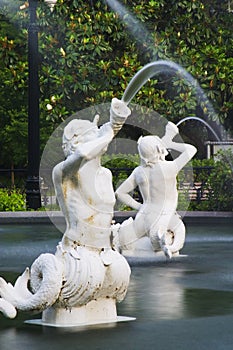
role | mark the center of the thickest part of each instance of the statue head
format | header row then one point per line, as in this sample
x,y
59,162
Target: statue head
x,y
78,131
151,149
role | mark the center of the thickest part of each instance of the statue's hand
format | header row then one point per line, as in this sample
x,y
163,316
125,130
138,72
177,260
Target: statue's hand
x,y
171,131
106,130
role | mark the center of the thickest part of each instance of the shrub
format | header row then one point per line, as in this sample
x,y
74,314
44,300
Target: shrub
x,y
218,184
121,166
12,200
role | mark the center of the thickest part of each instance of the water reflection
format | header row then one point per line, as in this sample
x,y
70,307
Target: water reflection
x,y
20,245
175,295
207,302
154,293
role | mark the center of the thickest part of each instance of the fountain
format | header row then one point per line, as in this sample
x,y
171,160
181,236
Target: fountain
x,y
181,303
187,303
81,283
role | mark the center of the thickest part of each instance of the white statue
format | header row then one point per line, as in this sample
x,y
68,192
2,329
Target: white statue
x,y
81,283
156,179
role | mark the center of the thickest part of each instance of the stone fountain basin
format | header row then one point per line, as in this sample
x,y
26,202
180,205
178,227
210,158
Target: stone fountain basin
x,y
186,303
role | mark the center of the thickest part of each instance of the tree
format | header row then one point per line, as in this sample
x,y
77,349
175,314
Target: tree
x,y
89,52
13,97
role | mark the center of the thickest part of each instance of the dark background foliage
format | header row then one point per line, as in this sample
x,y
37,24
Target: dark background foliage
x,y
89,52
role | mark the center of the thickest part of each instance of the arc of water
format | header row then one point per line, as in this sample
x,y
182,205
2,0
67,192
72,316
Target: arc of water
x,y
202,121
145,73
150,70
153,68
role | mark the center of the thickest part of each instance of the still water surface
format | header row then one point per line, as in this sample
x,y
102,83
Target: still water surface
x,y
182,304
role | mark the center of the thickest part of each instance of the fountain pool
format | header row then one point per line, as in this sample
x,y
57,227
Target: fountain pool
x,y
184,303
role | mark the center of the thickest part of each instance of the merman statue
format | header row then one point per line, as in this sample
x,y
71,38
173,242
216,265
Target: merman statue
x,y
85,278
156,217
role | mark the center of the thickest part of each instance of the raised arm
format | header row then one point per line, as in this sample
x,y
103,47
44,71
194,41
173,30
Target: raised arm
x,y
90,149
122,193
187,151
94,142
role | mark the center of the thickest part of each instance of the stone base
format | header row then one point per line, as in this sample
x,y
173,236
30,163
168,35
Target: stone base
x,y
142,250
39,322
95,312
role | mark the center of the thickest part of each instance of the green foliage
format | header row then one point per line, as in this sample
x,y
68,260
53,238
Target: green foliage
x,y
120,160
89,53
12,200
13,98
218,185
121,166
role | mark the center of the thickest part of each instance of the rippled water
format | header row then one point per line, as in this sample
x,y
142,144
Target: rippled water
x,y
183,304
